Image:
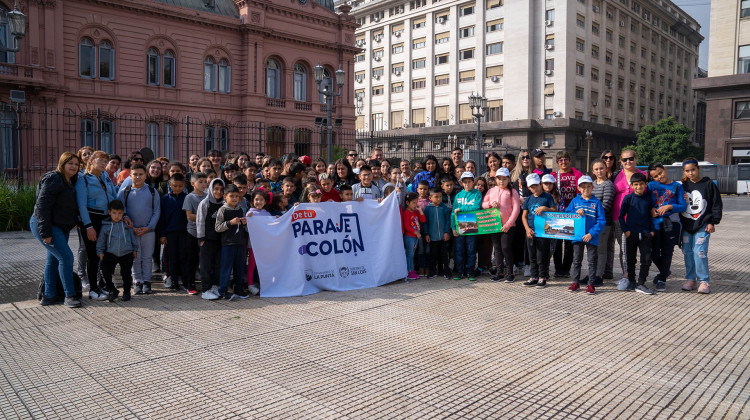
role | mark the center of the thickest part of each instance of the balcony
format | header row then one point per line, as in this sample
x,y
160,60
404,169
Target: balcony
x,y
324,108
303,106
275,103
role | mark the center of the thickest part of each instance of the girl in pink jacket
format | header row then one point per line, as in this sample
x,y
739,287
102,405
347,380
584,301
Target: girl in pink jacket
x,y
507,200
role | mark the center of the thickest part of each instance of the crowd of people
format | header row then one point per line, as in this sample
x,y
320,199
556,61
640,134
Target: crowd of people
x,y
189,221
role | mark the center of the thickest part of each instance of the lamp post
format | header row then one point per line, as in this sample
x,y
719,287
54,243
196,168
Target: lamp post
x,y
589,137
17,28
329,94
478,105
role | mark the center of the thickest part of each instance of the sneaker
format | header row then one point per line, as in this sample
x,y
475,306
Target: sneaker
x,y
253,289
72,302
608,276
641,288
623,284
85,283
526,271
113,295
597,282
661,286
45,301
574,287
168,282
509,279
474,274
228,296
147,288
495,278
215,290
431,276
457,276
631,286
412,275
704,288
125,296
447,276
139,288
242,295
590,290
209,295
541,284
689,286
93,294
192,291
562,274
531,282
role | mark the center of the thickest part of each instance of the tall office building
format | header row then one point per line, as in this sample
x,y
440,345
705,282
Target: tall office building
x,y
727,87
549,69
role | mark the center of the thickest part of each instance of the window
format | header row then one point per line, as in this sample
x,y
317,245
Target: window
x,y
359,58
225,76
442,38
209,74
496,48
377,90
415,4
106,136
467,10
397,87
6,40
218,138
579,93
549,15
397,120
466,54
417,117
595,28
169,68
441,59
549,64
549,89
464,114
87,133
418,63
397,48
441,115
495,25
397,29
580,21
442,80
418,83
745,8
418,22
397,68
86,58
549,114
580,45
377,72
495,110
608,57
419,43
491,4
273,79
377,121
300,83
152,58
549,41
466,76
743,60
106,61
161,145
442,17
378,53
494,71
580,69
466,32
609,35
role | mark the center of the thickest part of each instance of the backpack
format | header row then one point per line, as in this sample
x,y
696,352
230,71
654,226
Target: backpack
x,y
127,193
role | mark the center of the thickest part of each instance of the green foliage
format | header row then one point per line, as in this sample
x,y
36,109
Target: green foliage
x,y
667,142
16,205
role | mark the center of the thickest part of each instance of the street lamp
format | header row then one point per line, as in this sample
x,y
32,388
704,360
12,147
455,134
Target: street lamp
x,y
17,28
589,137
329,94
478,105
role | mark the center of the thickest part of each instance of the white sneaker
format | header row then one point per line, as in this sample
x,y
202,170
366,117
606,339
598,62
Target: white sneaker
x,y
526,271
168,282
253,289
209,295
215,290
622,284
97,296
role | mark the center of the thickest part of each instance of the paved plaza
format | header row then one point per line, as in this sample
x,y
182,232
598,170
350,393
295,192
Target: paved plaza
x,y
426,349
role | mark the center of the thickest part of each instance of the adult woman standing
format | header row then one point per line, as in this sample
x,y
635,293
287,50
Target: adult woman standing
x,y
621,179
604,190
609,160
344,174
493,162
84,154
567,185
56,191
518,181
429,173
94,191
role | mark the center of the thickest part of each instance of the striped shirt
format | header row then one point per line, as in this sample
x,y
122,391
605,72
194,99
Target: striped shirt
x,y
605,192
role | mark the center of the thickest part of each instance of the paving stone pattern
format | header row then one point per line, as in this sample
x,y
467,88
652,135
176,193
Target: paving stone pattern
x,y
427,349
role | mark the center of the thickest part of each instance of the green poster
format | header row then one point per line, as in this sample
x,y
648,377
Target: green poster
x,y
478,222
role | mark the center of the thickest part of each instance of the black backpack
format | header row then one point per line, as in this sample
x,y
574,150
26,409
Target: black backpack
x,y
127,193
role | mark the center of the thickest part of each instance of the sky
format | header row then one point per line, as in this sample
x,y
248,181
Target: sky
x,y
700,10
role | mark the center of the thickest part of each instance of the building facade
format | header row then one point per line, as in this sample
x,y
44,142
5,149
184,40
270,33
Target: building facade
x,y
727,87
613,65
220,64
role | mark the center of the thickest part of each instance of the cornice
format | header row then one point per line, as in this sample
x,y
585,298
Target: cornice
x,y
206,19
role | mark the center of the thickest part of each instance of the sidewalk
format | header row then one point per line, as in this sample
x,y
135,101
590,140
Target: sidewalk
x,y
430,348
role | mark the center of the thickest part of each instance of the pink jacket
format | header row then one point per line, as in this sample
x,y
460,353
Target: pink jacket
x,y
509,204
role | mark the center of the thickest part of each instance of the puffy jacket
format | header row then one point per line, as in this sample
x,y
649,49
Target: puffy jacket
x,y
54,193
116,239
94,193
438,221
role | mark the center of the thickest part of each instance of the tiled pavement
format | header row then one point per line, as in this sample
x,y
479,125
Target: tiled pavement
x,y
431,348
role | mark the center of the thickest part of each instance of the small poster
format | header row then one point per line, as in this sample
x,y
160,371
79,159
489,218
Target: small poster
x,y
478,222
556,225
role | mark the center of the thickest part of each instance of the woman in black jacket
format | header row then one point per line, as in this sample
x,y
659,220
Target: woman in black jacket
x,y
52,228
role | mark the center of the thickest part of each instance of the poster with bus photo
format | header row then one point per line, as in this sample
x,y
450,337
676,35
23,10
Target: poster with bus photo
x,y
478,222
556,225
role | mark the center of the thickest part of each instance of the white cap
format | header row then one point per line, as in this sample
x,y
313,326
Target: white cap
x,y
585,178
466,174
502,172
532,179
548,178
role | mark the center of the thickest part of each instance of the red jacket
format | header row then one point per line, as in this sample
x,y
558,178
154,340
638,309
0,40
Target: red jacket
x,y
410,222
332,195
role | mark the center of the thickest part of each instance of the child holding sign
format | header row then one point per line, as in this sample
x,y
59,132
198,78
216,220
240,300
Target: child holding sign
x,y
469,199
588,206
539,248
506,199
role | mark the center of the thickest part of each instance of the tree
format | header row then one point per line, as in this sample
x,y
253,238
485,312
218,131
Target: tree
x,y
668,141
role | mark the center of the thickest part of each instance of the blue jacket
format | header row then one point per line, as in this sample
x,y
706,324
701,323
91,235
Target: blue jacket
x,y
635,213
172,218
438,221
665,194
116,239
93,193
422,176
593,213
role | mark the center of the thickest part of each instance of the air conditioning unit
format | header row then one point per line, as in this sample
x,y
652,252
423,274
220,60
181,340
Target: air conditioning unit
x,y
495,78
548,22
377,19
360,79
546,143
594,103
376,77
622,23
441,20
608,84
549,47
397,73
557,114
359,43
595,9
548,72
377,59
378,37
397,34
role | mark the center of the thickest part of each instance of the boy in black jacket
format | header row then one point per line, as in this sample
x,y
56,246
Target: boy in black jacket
x,y
173,233
231,223
638,227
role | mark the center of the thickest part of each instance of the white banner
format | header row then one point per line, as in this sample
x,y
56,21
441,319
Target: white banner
x,y
329,246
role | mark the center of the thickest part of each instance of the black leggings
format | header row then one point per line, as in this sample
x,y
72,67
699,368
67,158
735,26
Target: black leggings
x,y
92,265
502,241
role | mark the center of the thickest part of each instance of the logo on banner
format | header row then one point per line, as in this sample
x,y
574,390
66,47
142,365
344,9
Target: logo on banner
x,y
341,237
344,272
317,275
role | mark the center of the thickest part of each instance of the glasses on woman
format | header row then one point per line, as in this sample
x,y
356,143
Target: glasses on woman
x,y
525,157
608,157
563,160
628,159
137,159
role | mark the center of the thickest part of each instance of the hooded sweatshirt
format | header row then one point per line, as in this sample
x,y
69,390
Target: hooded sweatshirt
x,y
593,213
205,216
438,221
704,205
466,201
116,239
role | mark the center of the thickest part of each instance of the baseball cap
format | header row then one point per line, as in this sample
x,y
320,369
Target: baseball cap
x,y
466,174
503,172
549,178
532,179
584,179
537,152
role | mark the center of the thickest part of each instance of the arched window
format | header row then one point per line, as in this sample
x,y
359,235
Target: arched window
x,y
273,79
209,138
275,140
153,66
225,76
326,83
106,61
152,137
209,74
87,133
300,83
6,40
169,68
86,58
106,136
168,146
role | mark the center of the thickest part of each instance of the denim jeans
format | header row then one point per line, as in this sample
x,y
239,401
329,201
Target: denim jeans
x,y
695,250
423,253
466,253
59,260
233,261
410,245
